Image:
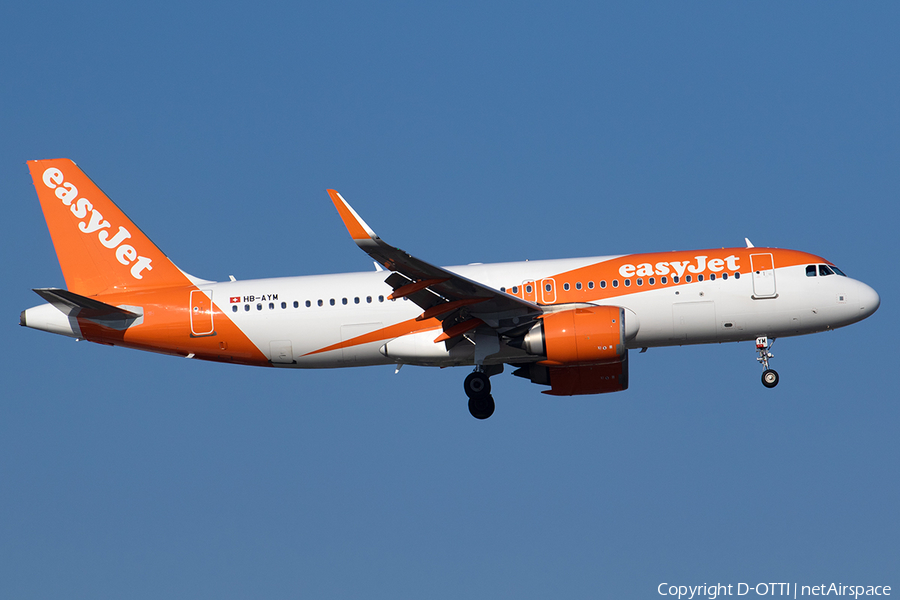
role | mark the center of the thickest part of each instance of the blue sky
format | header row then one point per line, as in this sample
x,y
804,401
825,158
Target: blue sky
x,y
461,132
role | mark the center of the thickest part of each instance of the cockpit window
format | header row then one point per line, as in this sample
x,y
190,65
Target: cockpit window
x,y
810,270
825,270
838,271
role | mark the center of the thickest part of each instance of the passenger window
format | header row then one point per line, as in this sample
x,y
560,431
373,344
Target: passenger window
x,y
565,287
515,289
688,278
824,270
640,281
234,308
615,283
356,300
284,305
724,275
590,285
712,276
810,270
627,283
603,284
381,298
548,287
331,302
259,306
528,289
271,305
321,303
308,304
246,307
675,279
664,280
699,277
344,301
578,286
368,299
737,275
652,281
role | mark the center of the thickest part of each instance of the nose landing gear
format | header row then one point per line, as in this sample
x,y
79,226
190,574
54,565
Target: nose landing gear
x,y
478,388
769,376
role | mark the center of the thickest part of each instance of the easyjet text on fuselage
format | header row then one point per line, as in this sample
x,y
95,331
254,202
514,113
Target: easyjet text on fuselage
x,y
699,264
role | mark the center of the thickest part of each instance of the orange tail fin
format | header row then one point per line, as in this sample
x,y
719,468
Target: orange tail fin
x,y
99,249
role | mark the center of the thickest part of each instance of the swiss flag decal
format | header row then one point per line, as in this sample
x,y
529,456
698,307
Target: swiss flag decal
x,y
235,299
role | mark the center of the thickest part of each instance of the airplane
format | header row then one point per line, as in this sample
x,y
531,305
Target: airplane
x,y
567,324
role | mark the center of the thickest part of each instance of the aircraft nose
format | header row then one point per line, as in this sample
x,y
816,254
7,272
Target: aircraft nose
x,y
869,301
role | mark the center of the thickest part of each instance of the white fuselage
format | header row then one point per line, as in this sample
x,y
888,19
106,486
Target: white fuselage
x,y
315,312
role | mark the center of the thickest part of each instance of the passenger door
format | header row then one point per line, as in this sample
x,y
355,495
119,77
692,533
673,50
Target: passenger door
x,y
763,267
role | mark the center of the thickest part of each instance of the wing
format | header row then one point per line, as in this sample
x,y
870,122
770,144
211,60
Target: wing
x,y
462,305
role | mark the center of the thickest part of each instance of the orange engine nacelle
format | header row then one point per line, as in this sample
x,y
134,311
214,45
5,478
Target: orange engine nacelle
x,y
582,336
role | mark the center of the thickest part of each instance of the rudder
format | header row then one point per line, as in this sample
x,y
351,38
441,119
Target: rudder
x,y
100,250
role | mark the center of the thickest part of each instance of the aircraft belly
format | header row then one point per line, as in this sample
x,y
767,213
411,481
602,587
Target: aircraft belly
x,y
366,356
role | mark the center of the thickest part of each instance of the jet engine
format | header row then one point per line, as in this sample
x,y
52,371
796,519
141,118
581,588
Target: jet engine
x,y
581,336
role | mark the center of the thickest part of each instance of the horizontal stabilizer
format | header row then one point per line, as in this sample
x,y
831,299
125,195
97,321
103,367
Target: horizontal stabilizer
x,y
71,303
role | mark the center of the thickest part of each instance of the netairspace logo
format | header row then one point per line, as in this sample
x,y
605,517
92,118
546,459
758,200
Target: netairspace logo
x,y
713,591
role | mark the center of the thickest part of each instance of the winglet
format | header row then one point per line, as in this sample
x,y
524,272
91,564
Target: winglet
x,y
358,229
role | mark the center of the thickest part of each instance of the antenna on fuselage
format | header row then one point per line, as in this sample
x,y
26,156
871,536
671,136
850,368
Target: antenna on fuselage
x,y
749,243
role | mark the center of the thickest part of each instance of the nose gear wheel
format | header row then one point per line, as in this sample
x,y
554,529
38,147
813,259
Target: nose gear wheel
x,y
769,376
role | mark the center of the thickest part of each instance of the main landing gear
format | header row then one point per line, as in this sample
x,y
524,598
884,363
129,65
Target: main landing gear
x,y
769,376
478,389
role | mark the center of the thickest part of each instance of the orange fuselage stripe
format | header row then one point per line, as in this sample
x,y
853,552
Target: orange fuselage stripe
x,y
166,327
385,333
657,265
